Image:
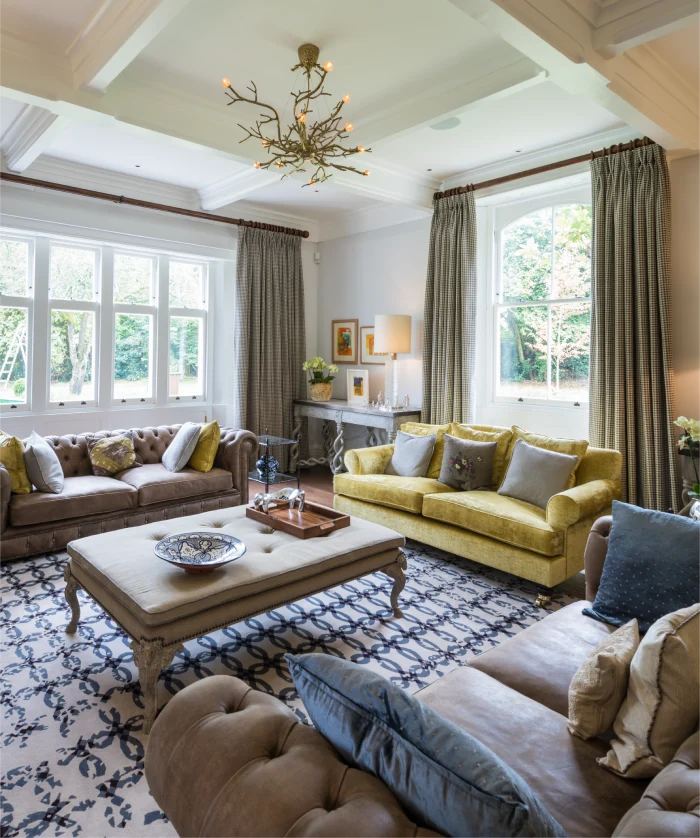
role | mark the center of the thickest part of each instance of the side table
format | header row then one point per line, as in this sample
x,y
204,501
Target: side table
x,y
340,413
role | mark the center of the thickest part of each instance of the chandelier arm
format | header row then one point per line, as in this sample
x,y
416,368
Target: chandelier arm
x,y
235,96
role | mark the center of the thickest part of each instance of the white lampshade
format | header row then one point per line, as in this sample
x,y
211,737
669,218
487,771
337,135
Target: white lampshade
x,y
392,333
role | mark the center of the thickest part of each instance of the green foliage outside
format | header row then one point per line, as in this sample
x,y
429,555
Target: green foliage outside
x,y
547,258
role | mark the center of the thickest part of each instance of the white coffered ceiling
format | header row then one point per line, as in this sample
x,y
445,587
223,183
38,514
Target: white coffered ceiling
x,y
97,89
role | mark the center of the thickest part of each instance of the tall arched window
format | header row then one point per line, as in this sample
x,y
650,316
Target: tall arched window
x,y
543,308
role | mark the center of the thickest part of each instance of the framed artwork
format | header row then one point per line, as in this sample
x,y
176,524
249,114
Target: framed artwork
x,y
358,386
367,353
344,341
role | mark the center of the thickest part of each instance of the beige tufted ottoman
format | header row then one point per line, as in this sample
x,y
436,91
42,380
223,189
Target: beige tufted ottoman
x,y
160,606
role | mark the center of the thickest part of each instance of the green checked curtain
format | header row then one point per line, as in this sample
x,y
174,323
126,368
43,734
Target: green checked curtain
x,y
269,333
449,333
631,389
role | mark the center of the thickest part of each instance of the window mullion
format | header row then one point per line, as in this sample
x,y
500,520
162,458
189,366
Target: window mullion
x,y
162,341
40,348
106,315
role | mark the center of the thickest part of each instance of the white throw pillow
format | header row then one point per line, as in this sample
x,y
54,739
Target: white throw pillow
x,y
180,450
42,464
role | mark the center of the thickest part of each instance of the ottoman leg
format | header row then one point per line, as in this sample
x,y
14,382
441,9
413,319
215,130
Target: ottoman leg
x,y
151,657
396,571
72,587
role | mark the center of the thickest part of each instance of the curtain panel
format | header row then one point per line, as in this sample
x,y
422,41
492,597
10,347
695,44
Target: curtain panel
x,y
449,333
631,387
269,333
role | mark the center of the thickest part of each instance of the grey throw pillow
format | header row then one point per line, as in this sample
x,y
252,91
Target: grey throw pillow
x,y
467,464
412,455
43,467
180,449
535,474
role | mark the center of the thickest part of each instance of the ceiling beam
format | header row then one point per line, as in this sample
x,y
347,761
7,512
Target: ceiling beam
x,y
236,187
115,34
615,32
30,135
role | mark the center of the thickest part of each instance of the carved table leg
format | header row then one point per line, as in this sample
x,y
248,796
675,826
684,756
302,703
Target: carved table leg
x,y
338,449
72,587
151,657
327,435
294,449
371,437
396,571
391,436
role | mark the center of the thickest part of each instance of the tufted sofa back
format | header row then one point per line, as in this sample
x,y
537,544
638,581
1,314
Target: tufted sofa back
x,y
149,444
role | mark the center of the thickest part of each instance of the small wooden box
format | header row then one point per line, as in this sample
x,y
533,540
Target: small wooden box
x,y
314,521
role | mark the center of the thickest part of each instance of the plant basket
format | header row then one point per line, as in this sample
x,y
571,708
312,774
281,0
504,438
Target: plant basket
x,y
322,391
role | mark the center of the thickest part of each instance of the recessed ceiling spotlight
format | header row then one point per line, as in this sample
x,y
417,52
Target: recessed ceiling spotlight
x,y
428,170
447,124
518,150
137,166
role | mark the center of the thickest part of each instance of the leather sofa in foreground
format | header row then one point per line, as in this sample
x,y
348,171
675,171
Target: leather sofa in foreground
x,y
226,760
41,522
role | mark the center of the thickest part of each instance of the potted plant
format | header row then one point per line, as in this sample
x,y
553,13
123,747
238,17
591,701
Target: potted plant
x,y
320,380
689,449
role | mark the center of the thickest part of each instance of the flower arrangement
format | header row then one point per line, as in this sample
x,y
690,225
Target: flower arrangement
x,y
316,367
689,444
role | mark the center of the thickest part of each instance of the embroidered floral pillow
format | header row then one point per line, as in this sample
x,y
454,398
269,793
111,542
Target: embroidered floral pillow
x,y
111,454
466,464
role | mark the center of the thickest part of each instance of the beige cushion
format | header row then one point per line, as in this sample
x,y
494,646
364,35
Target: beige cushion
x,y
405,493
80,496
661,707
155,484
599,686
506,519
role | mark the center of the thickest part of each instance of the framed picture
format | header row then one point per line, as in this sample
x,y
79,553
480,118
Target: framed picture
x,y
358,386
367,353
344,341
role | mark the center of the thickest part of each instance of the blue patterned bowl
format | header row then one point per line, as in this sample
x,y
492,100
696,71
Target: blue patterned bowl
x,y
199,552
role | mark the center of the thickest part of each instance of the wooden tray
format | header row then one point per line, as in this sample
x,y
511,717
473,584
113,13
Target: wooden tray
x,y
314,521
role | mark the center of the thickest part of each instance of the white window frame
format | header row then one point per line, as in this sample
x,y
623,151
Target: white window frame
x,y
190,313
503,216
57,304
27,302
135,308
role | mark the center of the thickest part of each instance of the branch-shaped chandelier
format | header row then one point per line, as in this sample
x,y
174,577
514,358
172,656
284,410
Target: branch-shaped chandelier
x,y
292,147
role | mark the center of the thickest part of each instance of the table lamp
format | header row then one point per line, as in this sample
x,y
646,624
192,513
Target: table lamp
x,y
392,334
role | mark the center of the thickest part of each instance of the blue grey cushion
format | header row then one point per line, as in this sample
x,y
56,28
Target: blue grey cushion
x,y
651,568
444,777
412,454
180,450
42,464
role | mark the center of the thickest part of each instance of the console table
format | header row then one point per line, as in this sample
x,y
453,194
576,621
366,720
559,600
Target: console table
x,y
340,413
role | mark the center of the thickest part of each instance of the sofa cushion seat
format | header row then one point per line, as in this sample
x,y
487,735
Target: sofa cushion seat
x,y
505,519
541,661
535,741
80,496
405,493
155,484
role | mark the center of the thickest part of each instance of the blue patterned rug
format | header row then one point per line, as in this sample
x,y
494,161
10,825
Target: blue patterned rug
x,y
72,747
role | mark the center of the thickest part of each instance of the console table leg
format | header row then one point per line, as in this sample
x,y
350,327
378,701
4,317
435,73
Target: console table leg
x,y
396,571
72,587
338,449
391,436
371,438
294,449
151,657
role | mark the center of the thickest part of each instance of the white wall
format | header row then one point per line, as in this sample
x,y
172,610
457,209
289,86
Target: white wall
x,y
39,211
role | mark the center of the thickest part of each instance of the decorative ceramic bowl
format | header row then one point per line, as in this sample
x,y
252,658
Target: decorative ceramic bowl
x,y
199,552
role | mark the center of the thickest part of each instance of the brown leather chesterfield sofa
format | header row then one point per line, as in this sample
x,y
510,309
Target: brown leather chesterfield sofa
x,y
226,760
41,522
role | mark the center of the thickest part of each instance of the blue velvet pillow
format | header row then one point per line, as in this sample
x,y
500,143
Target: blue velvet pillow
x,y
444,777
651,569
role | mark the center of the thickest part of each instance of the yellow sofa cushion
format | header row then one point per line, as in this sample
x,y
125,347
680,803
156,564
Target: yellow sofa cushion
x,y
391,490
577,447
421,429
505,519
204,453
502,438
12,457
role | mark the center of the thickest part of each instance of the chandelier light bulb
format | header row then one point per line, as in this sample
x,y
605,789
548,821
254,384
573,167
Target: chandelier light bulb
x,y
266,143
311,180
328,66
346,98
366,173
226,82
256,165
360,149
349,127
301,117
278,164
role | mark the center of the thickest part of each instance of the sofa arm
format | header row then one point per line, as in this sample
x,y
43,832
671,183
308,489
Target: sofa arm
x,y
223,759
369,460
595,554
669,805
234,454
5,492
581,502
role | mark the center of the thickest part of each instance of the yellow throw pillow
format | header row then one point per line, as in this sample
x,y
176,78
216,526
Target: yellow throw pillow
x,y
202,458
111,454
421,429
12,457
478,433
577,447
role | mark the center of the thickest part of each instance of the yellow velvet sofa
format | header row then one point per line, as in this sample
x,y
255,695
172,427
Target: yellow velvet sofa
x,y
543,545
